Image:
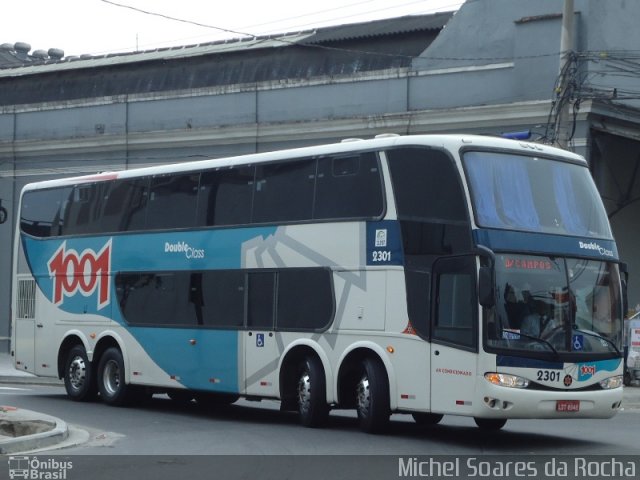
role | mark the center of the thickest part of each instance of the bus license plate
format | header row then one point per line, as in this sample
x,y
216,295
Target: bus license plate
x,y
568,406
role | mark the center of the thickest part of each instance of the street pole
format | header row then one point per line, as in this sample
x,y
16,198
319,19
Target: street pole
x,y
566,48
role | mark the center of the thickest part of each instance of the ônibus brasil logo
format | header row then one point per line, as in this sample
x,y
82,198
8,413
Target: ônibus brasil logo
x,y
84,272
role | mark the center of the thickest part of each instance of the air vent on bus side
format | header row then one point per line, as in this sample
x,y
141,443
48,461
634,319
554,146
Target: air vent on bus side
x,y
26,307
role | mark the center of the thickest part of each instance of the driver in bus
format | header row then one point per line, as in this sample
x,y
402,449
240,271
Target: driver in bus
x,y
534,323
541,322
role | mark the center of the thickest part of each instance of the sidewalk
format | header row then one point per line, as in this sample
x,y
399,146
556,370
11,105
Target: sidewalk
x,y
23,430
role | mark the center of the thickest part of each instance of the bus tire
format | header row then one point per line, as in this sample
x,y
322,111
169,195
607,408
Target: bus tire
x,y
312,404
425,419
111,374
372,397
79,378
490,424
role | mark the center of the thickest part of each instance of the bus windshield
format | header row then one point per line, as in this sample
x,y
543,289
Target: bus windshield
x,y
556,305
518,192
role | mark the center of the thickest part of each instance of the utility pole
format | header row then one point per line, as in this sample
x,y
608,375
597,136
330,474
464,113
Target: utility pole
x,y
566,49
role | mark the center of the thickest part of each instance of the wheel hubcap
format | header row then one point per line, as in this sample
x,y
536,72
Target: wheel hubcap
x,y
363,396
304,392
111,377
77,373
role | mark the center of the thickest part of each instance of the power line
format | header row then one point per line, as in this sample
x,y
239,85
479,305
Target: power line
x,y
176,19
394,7
326,47
253,35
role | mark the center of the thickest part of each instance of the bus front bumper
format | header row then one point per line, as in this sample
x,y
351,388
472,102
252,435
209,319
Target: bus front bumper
x,y
504,402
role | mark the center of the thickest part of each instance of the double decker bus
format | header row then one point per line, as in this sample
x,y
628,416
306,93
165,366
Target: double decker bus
x,y
426,275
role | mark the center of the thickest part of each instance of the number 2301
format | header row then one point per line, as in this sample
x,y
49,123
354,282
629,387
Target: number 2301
x,y
381,256
548,376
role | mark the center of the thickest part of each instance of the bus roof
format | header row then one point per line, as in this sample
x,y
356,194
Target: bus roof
x,y
452,142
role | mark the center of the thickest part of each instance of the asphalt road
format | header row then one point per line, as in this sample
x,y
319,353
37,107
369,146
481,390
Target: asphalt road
x,y
259,428
163,440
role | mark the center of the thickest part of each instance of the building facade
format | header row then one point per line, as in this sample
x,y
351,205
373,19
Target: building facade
x,y
492,67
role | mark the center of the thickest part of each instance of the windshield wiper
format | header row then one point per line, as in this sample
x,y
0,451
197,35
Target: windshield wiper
x,y
537,339
593,334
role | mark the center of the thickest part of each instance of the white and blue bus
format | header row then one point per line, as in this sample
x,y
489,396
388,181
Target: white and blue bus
x,y
427,275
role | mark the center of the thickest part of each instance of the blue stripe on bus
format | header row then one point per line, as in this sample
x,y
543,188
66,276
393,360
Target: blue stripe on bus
x,y
530,242
198,359
168,251
213,362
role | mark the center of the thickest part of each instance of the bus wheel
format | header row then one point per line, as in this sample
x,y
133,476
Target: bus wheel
x,y
113,389
312,403
372,397
427,418
490,423
79,380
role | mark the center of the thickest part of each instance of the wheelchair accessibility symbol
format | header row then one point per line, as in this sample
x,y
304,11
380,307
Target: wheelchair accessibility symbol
x,y
260,340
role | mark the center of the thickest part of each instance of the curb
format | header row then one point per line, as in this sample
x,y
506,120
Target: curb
x,y
24,443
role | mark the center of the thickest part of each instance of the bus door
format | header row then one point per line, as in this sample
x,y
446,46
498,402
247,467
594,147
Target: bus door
x,y
454,335
261,352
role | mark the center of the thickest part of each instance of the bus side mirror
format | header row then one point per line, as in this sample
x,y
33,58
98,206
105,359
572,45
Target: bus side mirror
x,y
486,293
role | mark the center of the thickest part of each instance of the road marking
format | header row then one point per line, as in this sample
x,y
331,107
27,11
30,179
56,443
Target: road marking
x,y
15,388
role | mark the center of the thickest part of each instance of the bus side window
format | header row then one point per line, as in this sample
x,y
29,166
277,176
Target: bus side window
x,y
225,197
284,192
124,205
305,299
172,201
348,187
223,293
430,202
153,299
261,300
42,212
82,213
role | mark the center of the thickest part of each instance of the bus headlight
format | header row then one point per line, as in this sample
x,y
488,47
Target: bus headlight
x,y
611,382
506,380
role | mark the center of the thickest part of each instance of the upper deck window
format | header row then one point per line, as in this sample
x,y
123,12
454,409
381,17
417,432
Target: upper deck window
x,y
328,188
426,185
42,210
518,192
